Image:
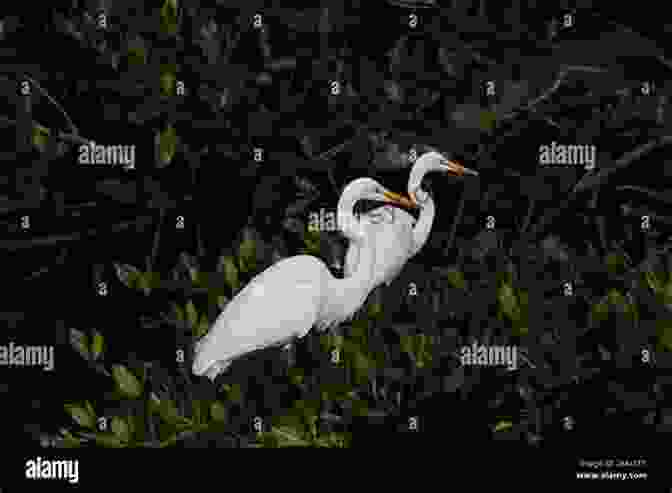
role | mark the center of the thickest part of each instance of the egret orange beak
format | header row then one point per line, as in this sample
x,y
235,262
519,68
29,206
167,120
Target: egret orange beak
x,y
400,200
458,169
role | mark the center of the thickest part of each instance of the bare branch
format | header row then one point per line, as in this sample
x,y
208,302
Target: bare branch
x,y
592,180
44,92
55,239
666,199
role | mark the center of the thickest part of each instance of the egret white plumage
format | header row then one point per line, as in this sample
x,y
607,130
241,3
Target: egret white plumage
x,y
284,301
396,234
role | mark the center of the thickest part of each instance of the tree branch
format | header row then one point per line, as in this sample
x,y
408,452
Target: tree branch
x,y
593,180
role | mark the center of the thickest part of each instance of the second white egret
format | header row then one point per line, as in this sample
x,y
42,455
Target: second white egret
x,y
396,234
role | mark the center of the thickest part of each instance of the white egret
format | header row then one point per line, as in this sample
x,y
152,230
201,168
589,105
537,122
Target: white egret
x,y
396,234
284,301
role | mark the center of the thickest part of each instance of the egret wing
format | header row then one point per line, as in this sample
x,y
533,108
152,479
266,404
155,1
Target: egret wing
x,y
276,306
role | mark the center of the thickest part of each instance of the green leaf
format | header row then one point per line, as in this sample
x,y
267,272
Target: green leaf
x,y
247,251
168,71
508,302
146,281
359,407
89,409
599,312
167,411
332,440
331,341
167,84
296,375
97,345
121,429
456,278
358,329
80,342
218,412
192,315
136,53
166,141
234,393
169,20
487,120
40,136
665,334
374,310
311,240
69,441
419,348
127,384
631,309
616,263
425,344
362,365
502,425
653,281
522,325
202,327
108,440
667,293
228,266
616,299
197,411
81,415
179,313
289,437
128,275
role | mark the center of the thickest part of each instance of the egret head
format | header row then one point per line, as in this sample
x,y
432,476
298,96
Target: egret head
x,y
364,189
426,163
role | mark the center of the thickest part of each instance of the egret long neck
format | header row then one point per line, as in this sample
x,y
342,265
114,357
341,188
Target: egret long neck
x,y
424,225
348,294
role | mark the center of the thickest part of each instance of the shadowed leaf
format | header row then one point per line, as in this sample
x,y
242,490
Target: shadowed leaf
x,y
167,411
169,17
80,342
136,53
69,441
121,429
127,384
508,302
228,267
108,440
456,278
202,327
97,345
502,425
40,136
81,415
127,275
218,412
247,251
166,141
192,315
